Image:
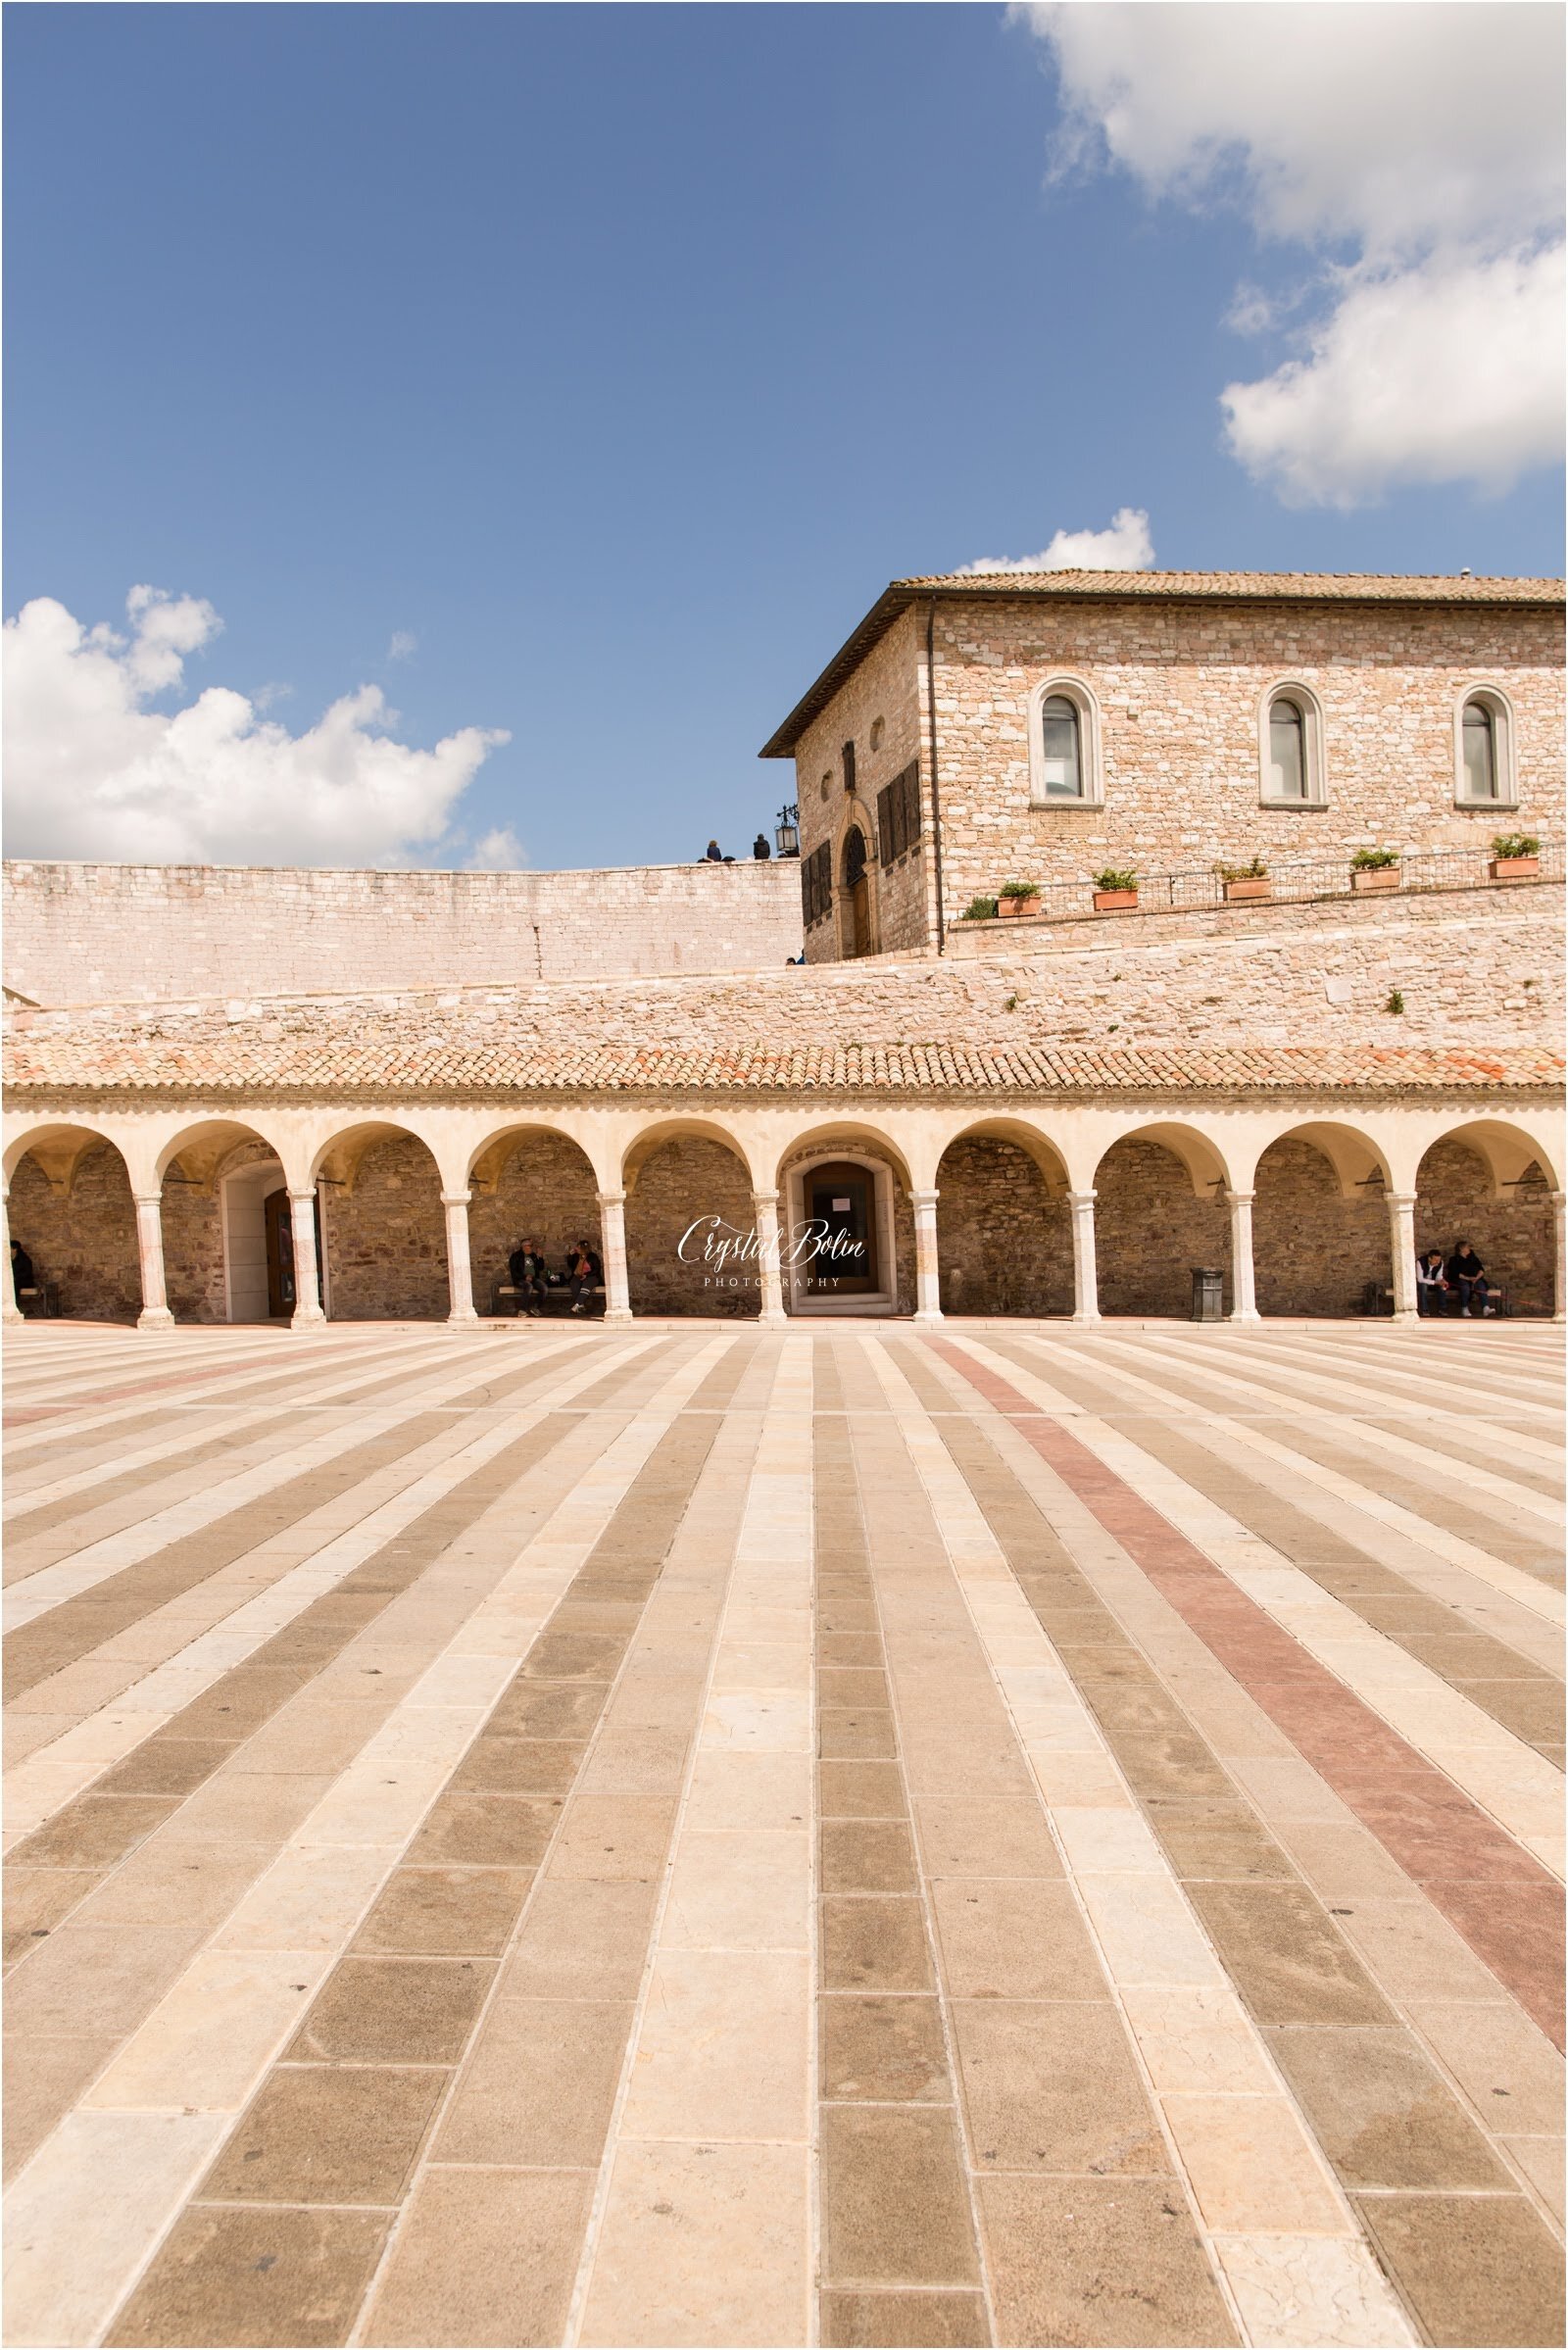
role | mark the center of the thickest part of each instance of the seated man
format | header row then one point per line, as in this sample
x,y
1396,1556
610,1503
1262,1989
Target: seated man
x,y
22,1276
528,1276
585,1273
1467,1277
1431,1287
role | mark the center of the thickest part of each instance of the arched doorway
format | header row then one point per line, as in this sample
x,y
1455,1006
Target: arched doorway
x,y
383,1228
1156,1217
856,894
1003,1231
689,1214
847,1225
1461,1196
71,1211
1320,1228
530,1184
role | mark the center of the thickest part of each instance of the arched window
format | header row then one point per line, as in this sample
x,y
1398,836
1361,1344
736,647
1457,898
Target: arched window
x,y
854,857
1286,750
1484,753
1289,747
1064,768
1062,748
1480,753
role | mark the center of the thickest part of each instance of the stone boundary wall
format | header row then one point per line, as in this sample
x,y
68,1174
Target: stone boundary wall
x,y
1473,969
91,933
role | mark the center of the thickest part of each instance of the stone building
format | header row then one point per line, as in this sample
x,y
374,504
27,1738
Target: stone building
x,y
1061,1115
1044,727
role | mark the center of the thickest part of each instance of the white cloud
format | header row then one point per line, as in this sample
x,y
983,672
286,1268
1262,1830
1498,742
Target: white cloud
x,y
498,851
405,644
91,771
1379,399
1125,545
1417,146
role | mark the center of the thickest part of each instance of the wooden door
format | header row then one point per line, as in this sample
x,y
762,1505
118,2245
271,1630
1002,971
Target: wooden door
x,y
858,895
841,1208
281,1298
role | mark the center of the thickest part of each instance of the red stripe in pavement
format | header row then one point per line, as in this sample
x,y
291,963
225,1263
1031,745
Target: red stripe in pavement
x,y
31,1414
1498,1895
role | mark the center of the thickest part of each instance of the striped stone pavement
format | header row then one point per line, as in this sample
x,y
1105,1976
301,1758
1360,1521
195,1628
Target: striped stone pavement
x,y
687,1835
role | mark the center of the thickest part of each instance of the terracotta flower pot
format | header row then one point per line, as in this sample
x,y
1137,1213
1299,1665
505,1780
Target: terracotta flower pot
x,y
1111,902
1011,909
1241,892
1374,877
1514,869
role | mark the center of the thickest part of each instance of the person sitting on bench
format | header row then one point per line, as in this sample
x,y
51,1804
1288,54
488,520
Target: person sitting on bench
x,y
22,1277
1431,1287
585,1274
1467,1275
529,1277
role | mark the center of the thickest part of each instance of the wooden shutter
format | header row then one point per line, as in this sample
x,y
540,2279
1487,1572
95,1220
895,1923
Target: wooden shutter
x,y
849,767
889,808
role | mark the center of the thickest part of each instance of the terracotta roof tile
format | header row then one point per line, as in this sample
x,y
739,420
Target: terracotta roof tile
x,y
230,1065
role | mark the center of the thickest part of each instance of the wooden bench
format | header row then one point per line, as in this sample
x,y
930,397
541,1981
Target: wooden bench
x,y
505,1300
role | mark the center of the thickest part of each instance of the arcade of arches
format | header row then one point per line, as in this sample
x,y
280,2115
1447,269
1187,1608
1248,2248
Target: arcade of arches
x,y
1078,1213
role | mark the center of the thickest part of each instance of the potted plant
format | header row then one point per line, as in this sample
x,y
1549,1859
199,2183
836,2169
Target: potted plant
x,y
979,910
1245,882
1114,889
1515,856
1018,898
1375,870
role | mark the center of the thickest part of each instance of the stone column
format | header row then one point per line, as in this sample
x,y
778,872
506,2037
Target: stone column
x,y
613,1249
154,1314
10,1311
764,1205
927,1269
459,1268
1560,1257
1401,1240
1243,1293
1085,1276
308,1312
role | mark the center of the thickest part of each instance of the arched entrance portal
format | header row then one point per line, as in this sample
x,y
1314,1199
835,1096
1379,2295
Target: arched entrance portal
x,y
856,894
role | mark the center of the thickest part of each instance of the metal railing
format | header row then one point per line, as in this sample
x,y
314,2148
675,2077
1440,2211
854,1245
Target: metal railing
x,y
1290,884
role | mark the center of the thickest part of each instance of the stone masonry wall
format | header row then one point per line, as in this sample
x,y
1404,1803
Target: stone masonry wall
x,y
1150,1230
682,1181
1479,967
1178,687
386,1237
886,689
84,933
83,1239
544,1192
1003,1241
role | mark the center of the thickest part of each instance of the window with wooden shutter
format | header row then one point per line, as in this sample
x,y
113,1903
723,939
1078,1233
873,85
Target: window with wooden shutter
x,y
849,767
898,814
910,788
888,809
816,884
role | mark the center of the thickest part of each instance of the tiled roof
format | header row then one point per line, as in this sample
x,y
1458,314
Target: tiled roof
x,y
1225,587
446,1067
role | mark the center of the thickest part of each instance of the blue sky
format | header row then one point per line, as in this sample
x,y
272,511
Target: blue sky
x,y
607,361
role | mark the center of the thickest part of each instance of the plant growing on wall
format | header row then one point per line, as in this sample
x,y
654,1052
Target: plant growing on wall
x,y
979,910
1509,845
1112,878
1257,870
1019,889
1373,861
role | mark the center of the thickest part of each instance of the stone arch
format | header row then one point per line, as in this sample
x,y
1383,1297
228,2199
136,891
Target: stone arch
x,y
861,1142
530,1181
70,1206
689,1214
383,1228
1003,1226
1159,1210
216,1176
1320,1221
1486,1183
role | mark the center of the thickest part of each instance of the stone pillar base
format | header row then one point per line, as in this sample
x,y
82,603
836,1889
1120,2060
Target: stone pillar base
x,y
618,1317
1246,1319
928,1319
154,1317
778,1321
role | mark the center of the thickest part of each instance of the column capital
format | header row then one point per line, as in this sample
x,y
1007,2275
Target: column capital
x,y
1237,1198
1081,1198
456,1198
764,1198
149,1199
1558,1199
1401,1199
925,1198
301,1194
612,1198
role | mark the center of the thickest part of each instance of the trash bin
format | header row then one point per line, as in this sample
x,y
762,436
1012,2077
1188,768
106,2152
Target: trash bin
x,y
1209,1295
